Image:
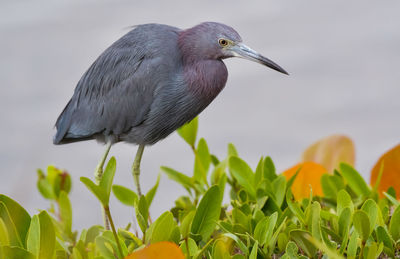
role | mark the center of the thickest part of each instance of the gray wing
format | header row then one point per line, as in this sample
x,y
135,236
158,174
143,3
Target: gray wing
x,y
116,92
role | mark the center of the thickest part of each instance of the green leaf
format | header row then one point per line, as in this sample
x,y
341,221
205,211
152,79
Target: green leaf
x,y
189,131
33,240
232,151
19,220
218,172
315,220
352,246
76,254
243,174
331,185
291,179
361,223
109,236
152,192
354,180
379,178
92,233
371,251
221,184
253,254
142,213
130,239
202,162
282,241
125,195
258,215
260,232
329,236
105,247
371,208
383,236
392,192
44,186
47,236
4,240
344,201
193,249
58,180
214,159
259,173
272,241
107,179
14,252
221,250
269,169
327,251
65,212
207,213
96,190
54,180
279,188
344,221
394,225
41,239
291,250
240,218
13,236
392,199
53,177
265,228
239,242
294,207
302,239
186,224
162,229
178,177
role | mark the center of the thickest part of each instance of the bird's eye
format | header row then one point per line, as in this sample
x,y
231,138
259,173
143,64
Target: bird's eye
x,y
223,42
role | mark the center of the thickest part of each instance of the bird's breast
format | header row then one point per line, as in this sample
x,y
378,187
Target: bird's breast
x,y
205,79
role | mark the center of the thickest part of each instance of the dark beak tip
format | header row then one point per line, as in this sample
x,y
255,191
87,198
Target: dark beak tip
x,y
281,70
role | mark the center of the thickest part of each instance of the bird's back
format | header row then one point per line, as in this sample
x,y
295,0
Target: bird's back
x,y
117,92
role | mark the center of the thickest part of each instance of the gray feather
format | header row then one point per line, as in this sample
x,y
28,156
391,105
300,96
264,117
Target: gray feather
x,y
117,91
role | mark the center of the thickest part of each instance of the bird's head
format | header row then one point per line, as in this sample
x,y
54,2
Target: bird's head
x,y
211,40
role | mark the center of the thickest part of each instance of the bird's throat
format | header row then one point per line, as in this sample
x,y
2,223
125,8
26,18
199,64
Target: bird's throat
x,y
206,78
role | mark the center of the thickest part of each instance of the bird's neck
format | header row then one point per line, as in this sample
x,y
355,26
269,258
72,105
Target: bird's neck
x,y
191,45
205,75
206,78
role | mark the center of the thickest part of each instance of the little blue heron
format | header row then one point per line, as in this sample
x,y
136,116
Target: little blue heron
x,y
150,82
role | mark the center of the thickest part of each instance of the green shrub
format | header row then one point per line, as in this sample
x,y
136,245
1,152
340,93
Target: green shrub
x,y
261,220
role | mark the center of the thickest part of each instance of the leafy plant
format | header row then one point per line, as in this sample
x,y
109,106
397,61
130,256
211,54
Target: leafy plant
x,y
320,208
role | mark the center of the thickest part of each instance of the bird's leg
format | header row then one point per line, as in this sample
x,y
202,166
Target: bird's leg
x,y
98,174
136,168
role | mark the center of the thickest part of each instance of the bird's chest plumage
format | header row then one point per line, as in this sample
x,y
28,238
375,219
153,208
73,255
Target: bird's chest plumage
x,y
205,79
183,98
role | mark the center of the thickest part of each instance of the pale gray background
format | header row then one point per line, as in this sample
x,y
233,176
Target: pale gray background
x,y
343,56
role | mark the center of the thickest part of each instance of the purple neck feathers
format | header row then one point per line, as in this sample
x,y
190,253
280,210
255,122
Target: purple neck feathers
x,y
205,75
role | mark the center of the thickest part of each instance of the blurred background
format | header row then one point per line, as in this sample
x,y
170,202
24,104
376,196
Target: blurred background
x,y
343,58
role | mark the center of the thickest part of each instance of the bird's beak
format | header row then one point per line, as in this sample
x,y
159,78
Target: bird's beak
x,y
242,51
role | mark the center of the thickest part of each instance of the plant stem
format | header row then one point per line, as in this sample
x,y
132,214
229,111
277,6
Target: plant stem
x,y
198,254
108,213
362,249
187,247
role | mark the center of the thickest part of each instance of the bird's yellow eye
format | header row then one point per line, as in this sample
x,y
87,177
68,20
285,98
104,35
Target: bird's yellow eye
x,y
223,42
